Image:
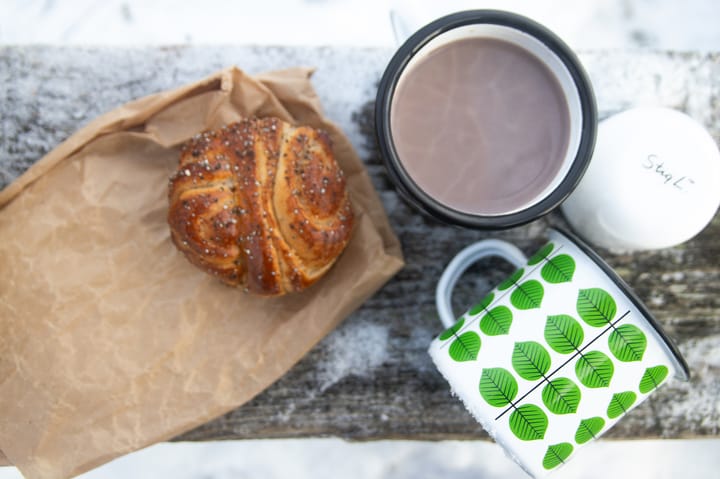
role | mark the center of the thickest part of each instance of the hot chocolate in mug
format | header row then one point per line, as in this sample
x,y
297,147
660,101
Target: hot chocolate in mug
x,y
553,356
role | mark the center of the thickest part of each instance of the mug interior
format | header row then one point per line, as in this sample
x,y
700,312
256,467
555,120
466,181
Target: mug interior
x,y
547,57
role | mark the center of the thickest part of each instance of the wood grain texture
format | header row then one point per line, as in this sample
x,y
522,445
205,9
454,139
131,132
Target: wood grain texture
x,y
372,378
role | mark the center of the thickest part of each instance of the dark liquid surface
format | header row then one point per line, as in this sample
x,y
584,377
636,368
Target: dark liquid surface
x,y
481,125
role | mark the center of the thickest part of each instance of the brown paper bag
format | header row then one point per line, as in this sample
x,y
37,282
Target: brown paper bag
x,y
109,339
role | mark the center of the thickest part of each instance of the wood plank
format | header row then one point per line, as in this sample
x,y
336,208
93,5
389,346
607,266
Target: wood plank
x,y
372,378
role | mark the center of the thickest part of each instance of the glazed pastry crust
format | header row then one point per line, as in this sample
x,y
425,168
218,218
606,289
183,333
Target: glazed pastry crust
x,y
260,204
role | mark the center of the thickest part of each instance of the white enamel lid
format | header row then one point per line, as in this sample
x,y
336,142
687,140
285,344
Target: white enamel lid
x,y
653,182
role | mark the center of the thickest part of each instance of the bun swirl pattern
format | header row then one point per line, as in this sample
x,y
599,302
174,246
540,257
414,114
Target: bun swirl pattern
x,y
260,204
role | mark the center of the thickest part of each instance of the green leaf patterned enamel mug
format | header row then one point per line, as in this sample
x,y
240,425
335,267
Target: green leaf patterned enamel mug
x,y
554,355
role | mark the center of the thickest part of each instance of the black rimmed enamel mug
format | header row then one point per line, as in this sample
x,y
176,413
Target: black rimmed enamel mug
x,y
485,119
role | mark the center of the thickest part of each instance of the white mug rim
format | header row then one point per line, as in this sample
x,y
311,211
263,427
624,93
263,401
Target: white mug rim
x,y
541,52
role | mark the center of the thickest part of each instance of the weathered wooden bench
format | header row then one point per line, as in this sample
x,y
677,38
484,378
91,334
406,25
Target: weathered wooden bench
x,y
371,378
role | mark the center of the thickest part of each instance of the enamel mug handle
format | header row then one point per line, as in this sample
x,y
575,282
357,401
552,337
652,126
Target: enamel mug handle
x,y
461,262
400,27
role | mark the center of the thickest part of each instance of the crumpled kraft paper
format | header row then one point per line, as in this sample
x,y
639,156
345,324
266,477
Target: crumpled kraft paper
x,y
109,339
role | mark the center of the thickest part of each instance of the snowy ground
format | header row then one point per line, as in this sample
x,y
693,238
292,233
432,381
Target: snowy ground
x,y
657,24
589,24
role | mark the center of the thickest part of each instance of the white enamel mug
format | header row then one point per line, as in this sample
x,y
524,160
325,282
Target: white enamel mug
x,y
555,355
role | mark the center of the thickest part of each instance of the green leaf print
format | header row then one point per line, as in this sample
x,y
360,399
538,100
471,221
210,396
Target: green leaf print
x,y
596,307
561,396
528,422
514,278
465,347
652,378
563,333
484,303
594,369
627,343
589,429
558,269
528,295
498,386
541,255
557,454
497,321
530,360
449,332
620,404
